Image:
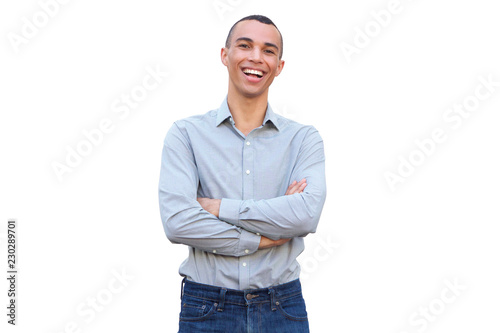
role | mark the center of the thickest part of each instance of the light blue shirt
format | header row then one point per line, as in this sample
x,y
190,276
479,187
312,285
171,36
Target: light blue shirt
x,y
207,156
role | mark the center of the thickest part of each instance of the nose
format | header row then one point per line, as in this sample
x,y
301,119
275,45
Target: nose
x,y
255,55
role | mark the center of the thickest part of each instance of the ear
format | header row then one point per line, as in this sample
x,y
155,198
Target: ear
x,y
281,64
223,56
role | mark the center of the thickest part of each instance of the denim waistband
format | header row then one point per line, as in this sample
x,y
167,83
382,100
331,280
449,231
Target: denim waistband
x,y
241,297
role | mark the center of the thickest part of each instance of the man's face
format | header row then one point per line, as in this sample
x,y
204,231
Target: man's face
x,y
252,58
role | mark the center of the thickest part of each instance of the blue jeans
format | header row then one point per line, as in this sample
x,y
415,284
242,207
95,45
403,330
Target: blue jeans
x,y
277,309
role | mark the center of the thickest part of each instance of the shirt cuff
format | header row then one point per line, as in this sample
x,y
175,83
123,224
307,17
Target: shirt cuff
x,y
229,211
249,243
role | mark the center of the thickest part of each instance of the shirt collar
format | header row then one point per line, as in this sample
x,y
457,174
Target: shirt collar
x,y
223,113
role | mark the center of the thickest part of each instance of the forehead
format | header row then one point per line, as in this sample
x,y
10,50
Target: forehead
x,y
257,31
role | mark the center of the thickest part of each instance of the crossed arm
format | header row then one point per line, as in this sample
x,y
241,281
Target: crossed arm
x,y
213,205
237,227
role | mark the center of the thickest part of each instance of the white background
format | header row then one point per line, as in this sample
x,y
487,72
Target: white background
x,y
378,255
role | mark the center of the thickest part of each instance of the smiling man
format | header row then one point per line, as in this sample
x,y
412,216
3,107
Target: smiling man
x,y
242,186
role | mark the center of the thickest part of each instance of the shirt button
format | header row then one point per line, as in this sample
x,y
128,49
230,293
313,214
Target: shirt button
x,y
214,251
248,172
244,264
248,143
258,234
247,251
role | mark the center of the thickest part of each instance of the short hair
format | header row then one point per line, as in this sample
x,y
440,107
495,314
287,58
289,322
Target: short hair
x,y
261,19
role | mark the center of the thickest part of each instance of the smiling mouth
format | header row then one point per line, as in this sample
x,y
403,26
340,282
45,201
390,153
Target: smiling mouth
x,y
253,72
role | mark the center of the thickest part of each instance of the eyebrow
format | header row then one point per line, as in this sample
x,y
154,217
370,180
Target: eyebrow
x,y
251,41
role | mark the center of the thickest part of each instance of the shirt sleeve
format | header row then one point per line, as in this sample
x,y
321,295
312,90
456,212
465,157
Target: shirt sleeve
x,y
184,220
286,216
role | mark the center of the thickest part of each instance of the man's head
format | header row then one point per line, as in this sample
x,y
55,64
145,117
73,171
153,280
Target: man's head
x,y
261,19
252,55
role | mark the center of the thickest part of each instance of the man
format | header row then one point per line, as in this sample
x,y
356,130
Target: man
x,y
242,187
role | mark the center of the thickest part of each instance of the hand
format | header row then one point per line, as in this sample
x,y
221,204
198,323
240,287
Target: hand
x,y
296,187
266,243
210,205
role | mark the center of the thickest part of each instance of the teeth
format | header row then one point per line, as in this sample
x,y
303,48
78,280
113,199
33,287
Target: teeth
x,y
253,71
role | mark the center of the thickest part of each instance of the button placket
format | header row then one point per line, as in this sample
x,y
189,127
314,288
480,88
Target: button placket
x,y
248,167
247,193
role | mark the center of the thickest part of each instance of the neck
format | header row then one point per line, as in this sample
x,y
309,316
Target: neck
x,y
248,112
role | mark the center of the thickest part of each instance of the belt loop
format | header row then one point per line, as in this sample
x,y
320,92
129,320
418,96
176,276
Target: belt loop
x,y
222,296
273,299
182,286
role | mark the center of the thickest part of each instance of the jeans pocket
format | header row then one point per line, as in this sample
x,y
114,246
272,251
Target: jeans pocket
x,y
196,309
293,308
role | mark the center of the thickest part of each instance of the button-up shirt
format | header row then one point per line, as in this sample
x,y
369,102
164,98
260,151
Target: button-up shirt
x,y
207,156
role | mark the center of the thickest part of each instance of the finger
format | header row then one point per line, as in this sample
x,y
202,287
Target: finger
x,y
291,188
294,189
283,241
300,186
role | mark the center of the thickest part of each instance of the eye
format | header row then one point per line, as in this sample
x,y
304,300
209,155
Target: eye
x,y
270,51
243,46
